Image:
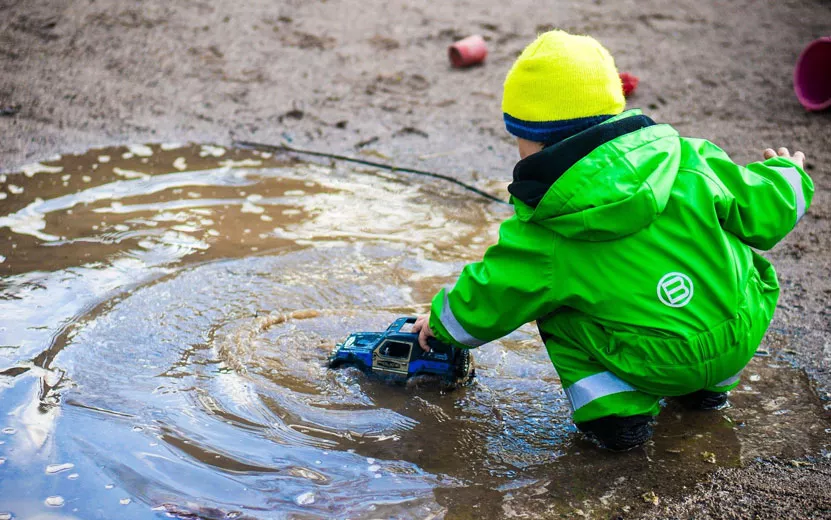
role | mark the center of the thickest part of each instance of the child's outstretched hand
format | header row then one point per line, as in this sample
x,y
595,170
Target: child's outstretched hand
x,y
422,326
798,157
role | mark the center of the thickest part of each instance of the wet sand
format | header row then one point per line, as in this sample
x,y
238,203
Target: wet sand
x,y
326,76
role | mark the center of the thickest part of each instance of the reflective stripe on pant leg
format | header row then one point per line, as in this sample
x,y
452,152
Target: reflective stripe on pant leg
x,y
727,384
581,375
594,387
621,404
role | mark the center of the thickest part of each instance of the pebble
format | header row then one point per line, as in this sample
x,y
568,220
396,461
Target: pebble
x,y
708,456
651,498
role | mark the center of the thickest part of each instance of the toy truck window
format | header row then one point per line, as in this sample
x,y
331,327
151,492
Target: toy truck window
x,y
364,340
396,349
406,328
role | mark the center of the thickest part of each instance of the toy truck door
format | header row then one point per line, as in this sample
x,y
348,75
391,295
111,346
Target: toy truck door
x,y
392,357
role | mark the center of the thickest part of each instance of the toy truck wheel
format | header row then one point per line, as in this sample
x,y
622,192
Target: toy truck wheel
x,y
464,367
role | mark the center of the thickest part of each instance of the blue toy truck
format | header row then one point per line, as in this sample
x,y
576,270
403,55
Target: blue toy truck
x,y
397,355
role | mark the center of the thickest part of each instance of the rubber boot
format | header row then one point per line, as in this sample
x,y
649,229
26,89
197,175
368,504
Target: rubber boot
x,y
703,400
619,433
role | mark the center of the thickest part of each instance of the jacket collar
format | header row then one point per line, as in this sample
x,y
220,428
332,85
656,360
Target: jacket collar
x,y
535,174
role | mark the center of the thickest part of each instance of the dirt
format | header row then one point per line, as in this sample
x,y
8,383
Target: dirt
x,y
764,489
372,79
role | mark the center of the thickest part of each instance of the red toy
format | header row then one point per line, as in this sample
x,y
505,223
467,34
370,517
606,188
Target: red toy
x,y
469,51
630,83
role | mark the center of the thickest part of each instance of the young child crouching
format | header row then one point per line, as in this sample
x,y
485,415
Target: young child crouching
x,y
631,247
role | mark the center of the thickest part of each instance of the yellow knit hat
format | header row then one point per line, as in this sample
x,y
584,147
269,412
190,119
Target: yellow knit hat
x,y
560,77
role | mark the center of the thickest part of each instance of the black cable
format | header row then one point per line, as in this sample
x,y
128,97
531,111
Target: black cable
x,y
286,148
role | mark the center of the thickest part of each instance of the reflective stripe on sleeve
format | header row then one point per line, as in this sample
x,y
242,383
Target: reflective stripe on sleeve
x,y
729,381
454,328
795,180
594,387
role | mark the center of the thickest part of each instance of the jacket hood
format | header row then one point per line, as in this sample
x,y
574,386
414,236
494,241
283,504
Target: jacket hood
x,y
606,182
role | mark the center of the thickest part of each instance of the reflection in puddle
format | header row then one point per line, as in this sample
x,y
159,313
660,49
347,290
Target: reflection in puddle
x,y
165,317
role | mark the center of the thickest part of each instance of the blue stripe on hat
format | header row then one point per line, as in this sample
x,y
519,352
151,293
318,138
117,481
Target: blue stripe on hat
x,y
549,132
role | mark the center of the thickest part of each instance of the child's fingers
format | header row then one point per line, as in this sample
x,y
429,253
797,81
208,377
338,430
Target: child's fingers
x,y
422,341
419,323
770,153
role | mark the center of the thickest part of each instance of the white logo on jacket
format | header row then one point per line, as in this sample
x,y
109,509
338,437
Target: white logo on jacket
x,y
675,289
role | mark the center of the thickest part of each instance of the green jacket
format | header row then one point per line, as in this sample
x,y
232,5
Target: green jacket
x,y
628,228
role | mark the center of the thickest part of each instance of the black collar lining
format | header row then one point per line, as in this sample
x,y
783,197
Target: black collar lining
x,y
535,174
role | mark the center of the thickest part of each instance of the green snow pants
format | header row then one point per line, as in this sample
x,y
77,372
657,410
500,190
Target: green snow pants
x,y
608,371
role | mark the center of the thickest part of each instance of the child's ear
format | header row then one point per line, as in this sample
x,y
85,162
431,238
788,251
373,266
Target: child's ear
x,y
527,147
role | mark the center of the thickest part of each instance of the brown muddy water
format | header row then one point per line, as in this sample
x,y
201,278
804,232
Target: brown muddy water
x,y
165,317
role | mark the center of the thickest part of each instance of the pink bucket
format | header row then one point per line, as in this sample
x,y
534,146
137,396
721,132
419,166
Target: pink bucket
x,y
812,75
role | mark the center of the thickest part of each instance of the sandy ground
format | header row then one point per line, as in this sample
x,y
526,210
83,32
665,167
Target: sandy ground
x,y
372,78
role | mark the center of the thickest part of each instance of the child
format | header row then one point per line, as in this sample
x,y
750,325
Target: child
x,y
630,246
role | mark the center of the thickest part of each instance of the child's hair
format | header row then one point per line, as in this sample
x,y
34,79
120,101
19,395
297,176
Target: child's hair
x,y
561,83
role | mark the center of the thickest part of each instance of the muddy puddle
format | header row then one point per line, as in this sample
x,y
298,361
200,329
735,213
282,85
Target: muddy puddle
x,y
166,312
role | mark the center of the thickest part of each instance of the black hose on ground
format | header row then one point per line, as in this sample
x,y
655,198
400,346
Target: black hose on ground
x,y
285,148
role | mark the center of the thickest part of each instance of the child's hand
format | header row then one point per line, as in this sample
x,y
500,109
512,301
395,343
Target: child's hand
x,y
798,157
422,326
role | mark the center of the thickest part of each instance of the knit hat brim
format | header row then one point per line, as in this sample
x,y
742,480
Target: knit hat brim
x,y
549,131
